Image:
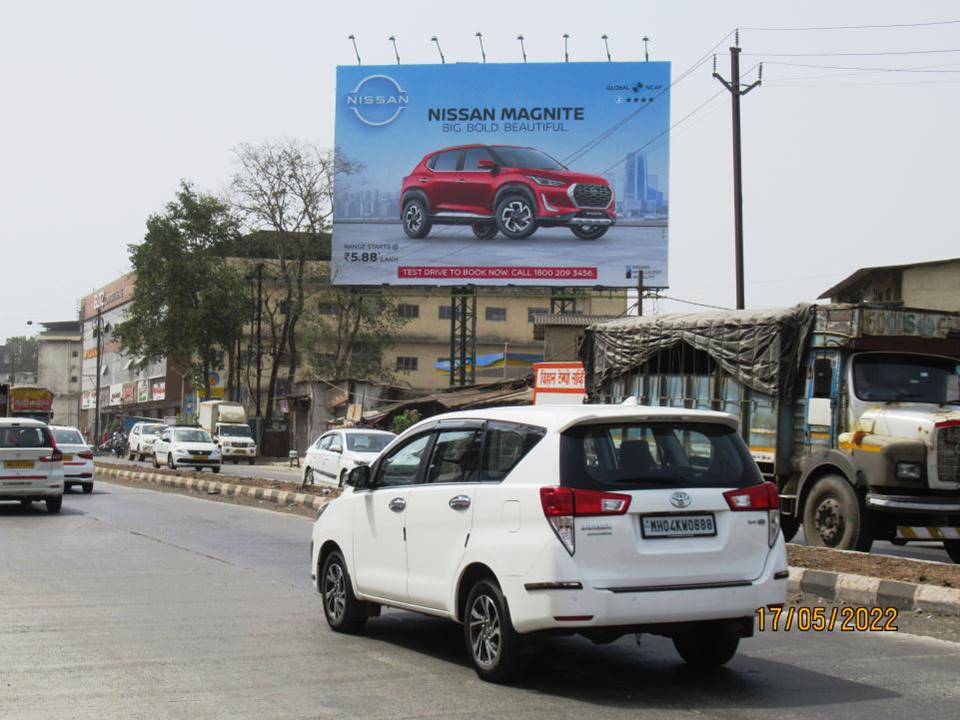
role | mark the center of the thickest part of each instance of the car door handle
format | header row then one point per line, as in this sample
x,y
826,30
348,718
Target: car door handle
x,y
397,504
459,502
461,180
424,180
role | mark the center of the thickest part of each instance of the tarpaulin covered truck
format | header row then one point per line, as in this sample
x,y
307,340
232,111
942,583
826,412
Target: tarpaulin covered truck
x,y
853,410
28,402
227,423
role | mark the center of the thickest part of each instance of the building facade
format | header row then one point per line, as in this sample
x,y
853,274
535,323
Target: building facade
x,y
126,387
59,349
933,285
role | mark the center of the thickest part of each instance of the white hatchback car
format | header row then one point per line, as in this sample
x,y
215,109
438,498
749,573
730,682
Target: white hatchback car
x,y
141,439
186,446
337,452
529,521
77,457
31,465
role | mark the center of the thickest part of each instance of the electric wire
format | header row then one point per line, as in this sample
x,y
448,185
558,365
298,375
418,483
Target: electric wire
x,y
854,27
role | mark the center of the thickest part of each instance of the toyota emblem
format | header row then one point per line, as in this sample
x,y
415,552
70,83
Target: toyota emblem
x,y
680,499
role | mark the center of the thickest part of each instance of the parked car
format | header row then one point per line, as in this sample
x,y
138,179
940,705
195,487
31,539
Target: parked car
x,y
337,452
506,189
524,522
31,465
77,457
141,439
186,446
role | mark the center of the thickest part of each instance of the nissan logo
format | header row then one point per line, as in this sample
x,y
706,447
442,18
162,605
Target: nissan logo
x,y
680,499
377,100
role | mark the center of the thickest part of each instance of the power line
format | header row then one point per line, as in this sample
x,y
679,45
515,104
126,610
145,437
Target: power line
x,y
865,69
855,27
691,302
590,145
853,54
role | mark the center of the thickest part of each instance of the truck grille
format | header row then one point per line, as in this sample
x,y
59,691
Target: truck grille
x,y
948,454
592,196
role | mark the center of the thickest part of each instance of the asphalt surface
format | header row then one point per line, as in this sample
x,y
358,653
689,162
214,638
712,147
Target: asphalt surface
x,y
140,604
918,551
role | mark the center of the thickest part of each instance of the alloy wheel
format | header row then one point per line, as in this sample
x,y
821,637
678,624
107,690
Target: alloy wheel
x,y
485,637
516,216
413,217
335,592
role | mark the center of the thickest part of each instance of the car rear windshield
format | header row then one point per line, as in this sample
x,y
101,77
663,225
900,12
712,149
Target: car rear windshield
x,y
527,158
67,437
25,437
194,436
367,442
642,455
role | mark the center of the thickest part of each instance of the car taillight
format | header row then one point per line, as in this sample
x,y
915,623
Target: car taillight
x,y
561,505
762,497
55,456
85,454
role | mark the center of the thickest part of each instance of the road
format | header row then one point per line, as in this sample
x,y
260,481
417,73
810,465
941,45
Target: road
x,y
141,604
918,551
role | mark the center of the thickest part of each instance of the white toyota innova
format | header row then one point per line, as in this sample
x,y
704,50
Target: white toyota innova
x,y
523,522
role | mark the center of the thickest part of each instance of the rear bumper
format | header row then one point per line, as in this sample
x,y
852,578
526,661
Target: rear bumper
x,y
38,489
593,607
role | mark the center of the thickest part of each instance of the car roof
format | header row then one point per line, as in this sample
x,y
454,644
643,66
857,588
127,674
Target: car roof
x,y
478,145
64,427
21,422
558,418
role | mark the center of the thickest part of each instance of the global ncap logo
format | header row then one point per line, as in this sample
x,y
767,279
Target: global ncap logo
x,y
377,100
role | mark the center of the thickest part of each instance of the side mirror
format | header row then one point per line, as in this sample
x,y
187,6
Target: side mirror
x,y
488,165
359,477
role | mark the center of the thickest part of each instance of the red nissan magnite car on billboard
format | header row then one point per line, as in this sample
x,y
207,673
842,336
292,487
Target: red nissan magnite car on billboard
x,y
502,188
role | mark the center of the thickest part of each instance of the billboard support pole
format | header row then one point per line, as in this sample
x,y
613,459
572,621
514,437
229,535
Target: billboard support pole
x,y
737,90
463,336
640,293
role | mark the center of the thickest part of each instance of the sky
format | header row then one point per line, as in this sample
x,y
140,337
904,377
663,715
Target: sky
x,y
107,105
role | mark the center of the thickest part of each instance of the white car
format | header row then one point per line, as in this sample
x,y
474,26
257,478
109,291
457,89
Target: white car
x,y
524,522
77,457
337,452
31,465
186,446
141,439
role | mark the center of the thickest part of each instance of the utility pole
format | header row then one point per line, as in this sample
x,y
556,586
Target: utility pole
x,y
98,332
736,92
259,327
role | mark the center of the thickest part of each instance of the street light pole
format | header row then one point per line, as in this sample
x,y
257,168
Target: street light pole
x,y
98,332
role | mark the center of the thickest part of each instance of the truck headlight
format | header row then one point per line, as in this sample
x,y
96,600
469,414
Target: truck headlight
x,y
909,471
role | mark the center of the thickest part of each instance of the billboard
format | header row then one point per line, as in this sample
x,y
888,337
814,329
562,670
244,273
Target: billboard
x,y
502,174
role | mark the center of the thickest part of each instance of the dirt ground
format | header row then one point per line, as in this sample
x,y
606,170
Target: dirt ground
x,y
882,566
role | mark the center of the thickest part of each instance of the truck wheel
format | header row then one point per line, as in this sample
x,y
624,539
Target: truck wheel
x,y
834,516
789,525
953,549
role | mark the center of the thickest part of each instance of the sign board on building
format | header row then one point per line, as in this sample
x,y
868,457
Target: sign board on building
x,y
143,391
129,393
158,389
559,383
116,394
88,400
502,174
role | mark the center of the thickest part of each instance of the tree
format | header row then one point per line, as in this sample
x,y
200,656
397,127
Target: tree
x,y
20,354
189,303
408,418
285,188
352,328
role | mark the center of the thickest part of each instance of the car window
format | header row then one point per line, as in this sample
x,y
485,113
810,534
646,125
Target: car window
x,y
165,436
135,431
24,437
152,429
368,442
336,444
506,444
447,161
64,436
403,464
655,454
473,157
455,457
192,435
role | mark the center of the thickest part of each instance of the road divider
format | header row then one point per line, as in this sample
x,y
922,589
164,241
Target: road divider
x,y
874,591
199,485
